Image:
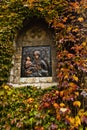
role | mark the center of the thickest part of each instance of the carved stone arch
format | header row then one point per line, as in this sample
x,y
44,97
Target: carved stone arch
x,y
35,35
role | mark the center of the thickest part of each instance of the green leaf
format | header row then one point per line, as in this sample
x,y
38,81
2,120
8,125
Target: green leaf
x,y
2,92
10,92
81,128
52,119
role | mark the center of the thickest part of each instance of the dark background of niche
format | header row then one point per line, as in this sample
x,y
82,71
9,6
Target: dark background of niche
x,y
30,22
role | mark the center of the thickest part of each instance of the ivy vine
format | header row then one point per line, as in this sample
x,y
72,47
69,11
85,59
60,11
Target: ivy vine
x,y
68,18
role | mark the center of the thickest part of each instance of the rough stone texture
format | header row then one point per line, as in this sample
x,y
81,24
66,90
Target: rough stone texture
x,y
36,80
38,85
34,35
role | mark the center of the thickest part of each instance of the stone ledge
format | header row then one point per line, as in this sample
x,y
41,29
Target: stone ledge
x,y
36,80
38,85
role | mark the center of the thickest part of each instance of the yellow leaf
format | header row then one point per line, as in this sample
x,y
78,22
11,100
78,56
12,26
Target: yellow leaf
x,y
84,43
66,76
77,121
75,78
81,112
77,93
71,120
71,84
80,19
30,100
40,8
69,28
6,87
62,105
1,16
77,103
75,30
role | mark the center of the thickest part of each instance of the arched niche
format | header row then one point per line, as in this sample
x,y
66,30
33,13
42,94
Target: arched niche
x,y
35,37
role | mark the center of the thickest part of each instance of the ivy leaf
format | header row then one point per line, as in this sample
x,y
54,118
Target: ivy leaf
x,y
60,25
2,92
31,120
77,121
80,19
75,78
77,103
84,44
81,128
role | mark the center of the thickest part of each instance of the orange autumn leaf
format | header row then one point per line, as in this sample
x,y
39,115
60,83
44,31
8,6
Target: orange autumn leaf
x,y
65,18
42,128
71,84
70,55
61,93
61,25
66,76
39,128
46,104
58,117
56,105
75,5
85,6
30,100
57,92
72,120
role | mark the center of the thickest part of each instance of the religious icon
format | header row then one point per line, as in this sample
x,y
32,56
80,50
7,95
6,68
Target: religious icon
x,y
36,62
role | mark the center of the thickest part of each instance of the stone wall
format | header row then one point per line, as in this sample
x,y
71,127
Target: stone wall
x,y
34,34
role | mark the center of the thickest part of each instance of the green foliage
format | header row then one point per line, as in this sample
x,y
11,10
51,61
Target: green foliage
x,y
11,19
66,17
17,107
20,109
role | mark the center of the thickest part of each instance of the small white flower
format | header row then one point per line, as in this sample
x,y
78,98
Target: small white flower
x,y
63,110
84,93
